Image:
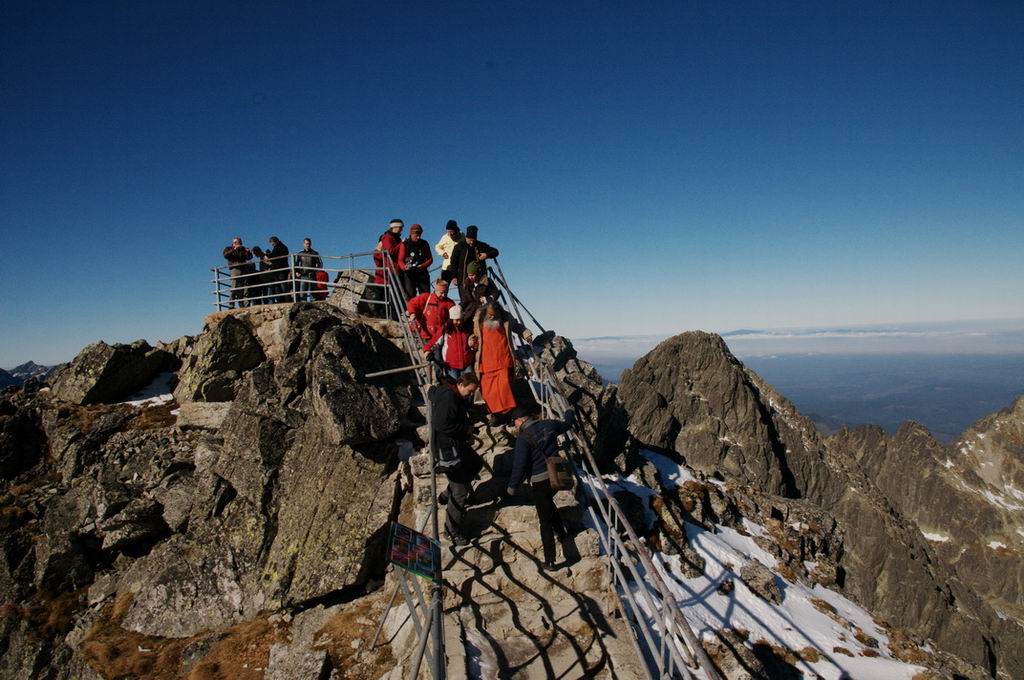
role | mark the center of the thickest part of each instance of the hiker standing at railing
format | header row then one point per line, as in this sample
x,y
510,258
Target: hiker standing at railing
x,y
389,243
277,262
452,236
238,257
468,250
414,259
307,262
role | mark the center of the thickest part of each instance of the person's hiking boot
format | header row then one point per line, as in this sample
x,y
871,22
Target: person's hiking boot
x,y
457,540
549,566
442,498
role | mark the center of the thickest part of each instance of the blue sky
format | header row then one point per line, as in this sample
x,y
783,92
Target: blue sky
x,y
645,169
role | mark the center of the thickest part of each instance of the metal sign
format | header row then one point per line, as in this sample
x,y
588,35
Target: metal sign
x,y
415,552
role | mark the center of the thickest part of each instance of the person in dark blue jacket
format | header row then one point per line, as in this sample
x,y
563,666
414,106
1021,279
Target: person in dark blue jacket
x,y
536,440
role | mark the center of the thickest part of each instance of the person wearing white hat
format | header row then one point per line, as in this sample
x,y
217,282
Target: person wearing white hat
x,y
455,351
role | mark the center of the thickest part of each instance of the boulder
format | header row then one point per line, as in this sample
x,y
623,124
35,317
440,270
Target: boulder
x,y
22,441
202,415
761,581
139,524
220,356
103,373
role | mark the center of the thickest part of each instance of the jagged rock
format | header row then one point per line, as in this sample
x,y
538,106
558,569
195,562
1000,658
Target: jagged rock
x,y
761,580
599,411
221,354
175,496
103,373
310,559
140,522
202,415
62,551
25,654
76,434
298,658
22,441
183,588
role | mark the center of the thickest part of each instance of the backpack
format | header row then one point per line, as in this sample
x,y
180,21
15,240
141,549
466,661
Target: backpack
x,y
560,471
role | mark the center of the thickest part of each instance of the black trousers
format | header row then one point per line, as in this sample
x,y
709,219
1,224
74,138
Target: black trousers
x,y
460,483
548,518
416,281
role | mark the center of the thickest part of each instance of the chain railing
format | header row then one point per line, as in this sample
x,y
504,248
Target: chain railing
x,y
661,633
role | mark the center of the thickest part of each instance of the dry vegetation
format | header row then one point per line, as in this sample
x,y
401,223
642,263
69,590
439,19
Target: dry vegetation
x,y
239,652
346,638
153,417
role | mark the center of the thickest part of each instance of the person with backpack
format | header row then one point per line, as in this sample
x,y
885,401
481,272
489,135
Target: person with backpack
x,y
428,314
414,260
454,455
536,442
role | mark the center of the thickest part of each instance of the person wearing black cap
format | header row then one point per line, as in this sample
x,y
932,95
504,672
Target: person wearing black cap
x,y
414,260
446,245
536,440
466,251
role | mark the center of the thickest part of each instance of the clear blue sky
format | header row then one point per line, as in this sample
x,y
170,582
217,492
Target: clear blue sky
x,y
643,168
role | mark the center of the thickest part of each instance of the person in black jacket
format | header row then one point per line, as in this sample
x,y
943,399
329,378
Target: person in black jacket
x,y
276,261
238,257
536,440
455,457
307,261
469,249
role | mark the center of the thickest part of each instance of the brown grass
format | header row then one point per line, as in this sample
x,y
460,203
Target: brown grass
x,y
47,615
870,653
153,417
781,653
865,639
904,649
842,650
84,417
809,654
823,607
241,652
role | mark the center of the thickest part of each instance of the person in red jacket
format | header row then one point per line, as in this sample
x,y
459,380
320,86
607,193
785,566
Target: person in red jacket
x,y
456,350
428,314
414,259
389,242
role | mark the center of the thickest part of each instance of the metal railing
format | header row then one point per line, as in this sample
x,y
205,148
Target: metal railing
x,y
661,634
284,279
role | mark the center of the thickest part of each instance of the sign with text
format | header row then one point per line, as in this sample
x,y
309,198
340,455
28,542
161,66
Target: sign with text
x,y
415,552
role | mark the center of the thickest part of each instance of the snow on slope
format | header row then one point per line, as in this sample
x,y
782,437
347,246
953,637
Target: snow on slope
x,y
155,393
812,622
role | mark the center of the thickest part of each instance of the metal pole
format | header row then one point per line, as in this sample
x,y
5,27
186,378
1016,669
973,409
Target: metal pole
x,y
391,371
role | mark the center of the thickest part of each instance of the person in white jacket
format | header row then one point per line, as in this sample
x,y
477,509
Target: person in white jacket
x,y
445,246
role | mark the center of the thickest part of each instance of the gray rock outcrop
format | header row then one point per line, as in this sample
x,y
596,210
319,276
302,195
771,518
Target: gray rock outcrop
x,y
216,362
692,398
103,373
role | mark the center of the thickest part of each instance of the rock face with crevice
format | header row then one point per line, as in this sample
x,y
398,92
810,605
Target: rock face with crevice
x,y
691,397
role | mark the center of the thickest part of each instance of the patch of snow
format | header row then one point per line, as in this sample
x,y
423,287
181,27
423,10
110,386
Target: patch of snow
x,y
935,538
979,435
1015,492
1000,501
671,473
995,545
810,566
155,393
948,464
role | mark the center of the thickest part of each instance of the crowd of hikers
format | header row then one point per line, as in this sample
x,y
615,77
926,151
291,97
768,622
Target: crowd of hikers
x,y
273,282
469,344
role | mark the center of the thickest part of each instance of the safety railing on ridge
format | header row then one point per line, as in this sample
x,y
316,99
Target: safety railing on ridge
x,y
293,278
434,630
661,634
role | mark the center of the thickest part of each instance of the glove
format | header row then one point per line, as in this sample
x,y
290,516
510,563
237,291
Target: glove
x,y
510,491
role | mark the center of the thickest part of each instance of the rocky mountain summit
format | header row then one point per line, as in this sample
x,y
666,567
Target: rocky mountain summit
x,y
237,529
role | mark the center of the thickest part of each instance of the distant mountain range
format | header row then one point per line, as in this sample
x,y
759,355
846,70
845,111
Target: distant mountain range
x,y
29,369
